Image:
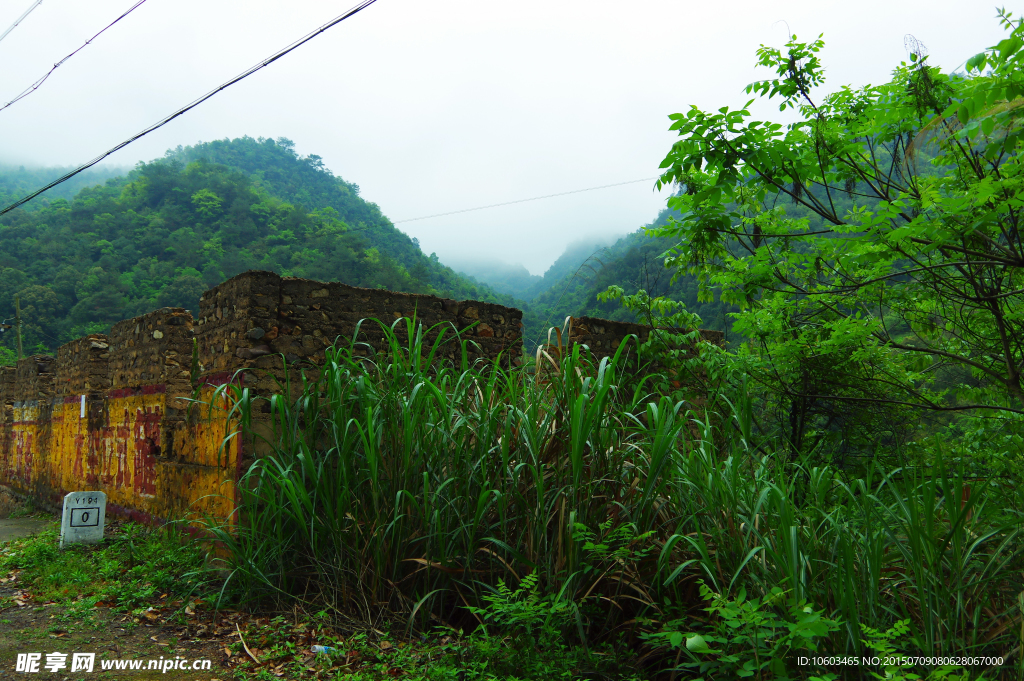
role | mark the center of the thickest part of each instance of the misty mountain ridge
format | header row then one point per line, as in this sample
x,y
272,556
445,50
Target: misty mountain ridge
x,y
163,233
514,280
166,231
634,262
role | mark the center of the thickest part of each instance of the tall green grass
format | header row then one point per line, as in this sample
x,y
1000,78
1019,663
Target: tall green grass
x,y
401,485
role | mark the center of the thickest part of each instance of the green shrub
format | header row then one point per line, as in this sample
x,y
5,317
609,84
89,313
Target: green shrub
x,y
747,638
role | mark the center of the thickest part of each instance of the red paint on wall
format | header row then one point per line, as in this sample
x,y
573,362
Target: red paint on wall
x,y
134,392
22,457
98,454
147,447
79,467
120,442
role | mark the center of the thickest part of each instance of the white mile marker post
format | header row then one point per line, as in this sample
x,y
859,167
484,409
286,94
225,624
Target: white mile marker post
x,y
84,516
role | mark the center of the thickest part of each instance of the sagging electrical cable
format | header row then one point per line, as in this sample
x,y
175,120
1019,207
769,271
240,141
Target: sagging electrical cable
x,y
21,18
35,86
535,198
164,121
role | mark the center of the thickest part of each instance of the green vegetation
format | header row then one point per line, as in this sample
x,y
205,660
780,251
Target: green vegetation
x,y
132,568
733,509
141,581
173,228
845,482
573,508
896,286
443,656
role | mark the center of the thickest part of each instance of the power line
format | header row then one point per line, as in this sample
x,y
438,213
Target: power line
x,y
509,203
35,86
21,18
164,121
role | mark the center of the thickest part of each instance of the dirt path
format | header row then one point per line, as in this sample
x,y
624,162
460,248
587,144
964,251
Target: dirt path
x,y
27,626
32,629
11,528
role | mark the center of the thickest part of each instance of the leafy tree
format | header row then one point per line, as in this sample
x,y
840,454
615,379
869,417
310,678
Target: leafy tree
x,y
183,291
40,308
874,244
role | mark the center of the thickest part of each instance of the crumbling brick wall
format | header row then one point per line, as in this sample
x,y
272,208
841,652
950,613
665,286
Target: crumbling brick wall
x,y
251,320
36,378
8,386
111,412
154,349
83,366
255,319
236,315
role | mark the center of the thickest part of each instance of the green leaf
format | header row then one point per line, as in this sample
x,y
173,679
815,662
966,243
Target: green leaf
x,y
963,114
977,62
697,644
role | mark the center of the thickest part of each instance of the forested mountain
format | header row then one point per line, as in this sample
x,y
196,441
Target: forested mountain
x,y
636,261
591,252
166,231
170,229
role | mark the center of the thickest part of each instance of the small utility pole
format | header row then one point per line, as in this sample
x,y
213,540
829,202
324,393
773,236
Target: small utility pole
x,y
17,322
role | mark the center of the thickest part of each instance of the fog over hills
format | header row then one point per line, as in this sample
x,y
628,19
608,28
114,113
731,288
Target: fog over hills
x,y
113,244
516,280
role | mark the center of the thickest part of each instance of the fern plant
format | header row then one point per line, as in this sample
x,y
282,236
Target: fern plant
x,y
540,618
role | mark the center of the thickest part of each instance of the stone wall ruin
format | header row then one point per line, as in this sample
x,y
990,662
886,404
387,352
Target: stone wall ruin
x,y
111,412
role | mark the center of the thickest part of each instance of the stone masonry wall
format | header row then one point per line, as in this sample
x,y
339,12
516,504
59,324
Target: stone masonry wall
x,y
8,384
154,349
35,378
111,412
250,320
83,366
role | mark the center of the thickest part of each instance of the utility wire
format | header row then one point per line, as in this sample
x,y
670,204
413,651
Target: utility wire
x,y
35,86
21,18
509,203
164,121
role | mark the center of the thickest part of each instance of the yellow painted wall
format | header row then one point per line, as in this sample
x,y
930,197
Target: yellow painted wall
x,y
149,465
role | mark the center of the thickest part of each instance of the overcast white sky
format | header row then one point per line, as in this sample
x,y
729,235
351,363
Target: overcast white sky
x,y
438,106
